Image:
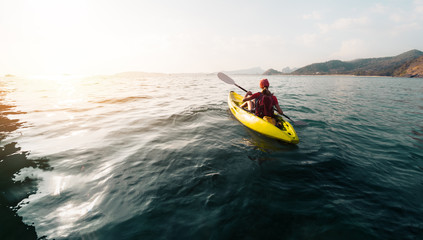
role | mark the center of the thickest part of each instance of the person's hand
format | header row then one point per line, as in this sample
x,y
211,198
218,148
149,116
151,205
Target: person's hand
x,y
249,93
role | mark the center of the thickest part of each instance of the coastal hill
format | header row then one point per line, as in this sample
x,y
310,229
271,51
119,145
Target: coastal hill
x,y
408,64
411,69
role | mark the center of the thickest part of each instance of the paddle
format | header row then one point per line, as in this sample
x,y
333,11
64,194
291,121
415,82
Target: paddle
x,y
229,80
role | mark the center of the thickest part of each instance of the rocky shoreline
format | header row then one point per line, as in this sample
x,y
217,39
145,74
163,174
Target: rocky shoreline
x,y
408,64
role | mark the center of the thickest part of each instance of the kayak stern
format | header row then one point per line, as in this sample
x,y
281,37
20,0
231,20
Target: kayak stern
x,y
285,133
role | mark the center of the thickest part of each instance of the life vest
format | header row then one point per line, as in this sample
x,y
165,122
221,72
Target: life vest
x,y
264,106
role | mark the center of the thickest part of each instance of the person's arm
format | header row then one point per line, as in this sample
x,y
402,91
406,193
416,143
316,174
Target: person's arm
x,y
278,109
247,96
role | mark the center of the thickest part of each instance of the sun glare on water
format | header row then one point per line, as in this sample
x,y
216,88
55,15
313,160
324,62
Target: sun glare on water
x,y
61,91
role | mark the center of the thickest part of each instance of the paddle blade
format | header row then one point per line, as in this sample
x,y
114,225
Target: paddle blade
x,y
225,78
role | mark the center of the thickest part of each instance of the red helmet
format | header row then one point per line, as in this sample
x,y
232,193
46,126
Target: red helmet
x,y
264,83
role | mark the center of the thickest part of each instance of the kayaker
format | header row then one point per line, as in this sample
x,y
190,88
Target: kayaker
x,y
264,102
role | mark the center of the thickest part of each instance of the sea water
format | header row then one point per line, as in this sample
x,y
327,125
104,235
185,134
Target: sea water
x,y
143,156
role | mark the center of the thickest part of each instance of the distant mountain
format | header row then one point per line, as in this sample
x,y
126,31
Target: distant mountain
x,y
288,70
255,70
272,71
386,66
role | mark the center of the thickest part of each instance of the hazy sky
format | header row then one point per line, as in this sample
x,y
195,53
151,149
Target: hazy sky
x,y
172,36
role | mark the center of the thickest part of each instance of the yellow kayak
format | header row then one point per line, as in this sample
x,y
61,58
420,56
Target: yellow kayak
x,y
286,133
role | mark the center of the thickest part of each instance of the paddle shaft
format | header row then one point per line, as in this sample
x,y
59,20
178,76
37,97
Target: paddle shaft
x,y
287,117
240,87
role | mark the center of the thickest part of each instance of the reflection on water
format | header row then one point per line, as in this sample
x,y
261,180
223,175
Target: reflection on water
x,y
76,121
13,160
266,144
